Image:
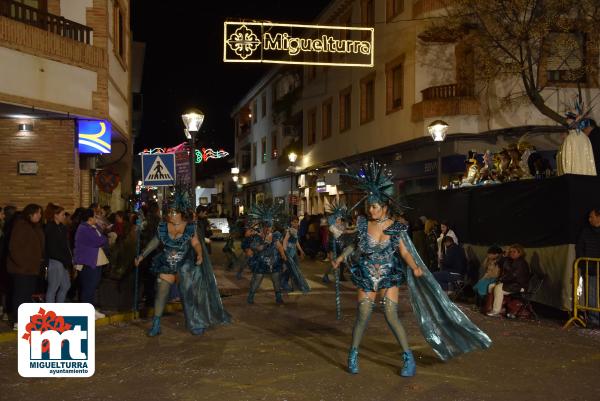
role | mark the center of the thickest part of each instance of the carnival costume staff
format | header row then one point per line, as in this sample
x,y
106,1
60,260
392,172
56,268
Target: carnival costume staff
x,y
386,258
197,285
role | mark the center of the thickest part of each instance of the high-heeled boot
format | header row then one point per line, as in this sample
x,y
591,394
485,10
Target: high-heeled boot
x,y
155,329
278,298
353,361
410,367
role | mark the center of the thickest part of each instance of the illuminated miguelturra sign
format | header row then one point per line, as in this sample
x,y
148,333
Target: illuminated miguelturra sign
x,y
266,42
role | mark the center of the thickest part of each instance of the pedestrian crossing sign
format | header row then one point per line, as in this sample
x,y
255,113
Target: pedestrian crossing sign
x,y
158,169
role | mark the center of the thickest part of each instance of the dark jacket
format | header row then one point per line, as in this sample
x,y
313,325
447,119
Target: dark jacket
x,y
595,141
455,260
515,275
26,248
588,245
57,243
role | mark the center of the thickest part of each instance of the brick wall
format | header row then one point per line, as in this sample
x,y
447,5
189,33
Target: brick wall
x,y
51,144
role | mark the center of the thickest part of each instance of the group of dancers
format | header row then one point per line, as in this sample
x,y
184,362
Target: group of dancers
x,y
379,254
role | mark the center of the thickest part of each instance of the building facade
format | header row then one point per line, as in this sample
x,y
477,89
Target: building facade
x,y
63,62
384,111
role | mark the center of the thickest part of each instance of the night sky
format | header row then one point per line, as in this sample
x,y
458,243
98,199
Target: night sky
x,y
184,66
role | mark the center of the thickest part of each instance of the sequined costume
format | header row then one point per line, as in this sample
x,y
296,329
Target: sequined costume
x,y
197,284
292,266
383,264
378,265
265,259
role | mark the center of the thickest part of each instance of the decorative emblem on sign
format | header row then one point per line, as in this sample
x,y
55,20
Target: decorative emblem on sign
x,y
243,42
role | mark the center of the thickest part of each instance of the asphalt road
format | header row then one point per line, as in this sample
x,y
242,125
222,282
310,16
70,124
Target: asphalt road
x,y
298,352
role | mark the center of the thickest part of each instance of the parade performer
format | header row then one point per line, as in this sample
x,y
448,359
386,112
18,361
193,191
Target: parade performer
x,y
338,238
266,250
576,155
197,284
294,252
383,257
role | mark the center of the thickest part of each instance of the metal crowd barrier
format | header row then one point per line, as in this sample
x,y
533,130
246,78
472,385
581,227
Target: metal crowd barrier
x,y
581,269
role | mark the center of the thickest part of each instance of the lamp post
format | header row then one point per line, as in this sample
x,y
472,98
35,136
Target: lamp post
x,y
438,130
235,177
193,120
292,157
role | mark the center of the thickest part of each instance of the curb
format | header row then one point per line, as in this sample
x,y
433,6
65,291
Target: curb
x,y
118,317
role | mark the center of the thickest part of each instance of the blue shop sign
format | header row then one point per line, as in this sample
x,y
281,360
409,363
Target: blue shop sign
x,y
94,136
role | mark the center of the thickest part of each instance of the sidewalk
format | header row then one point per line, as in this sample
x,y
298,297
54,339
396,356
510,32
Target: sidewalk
x,y
228,284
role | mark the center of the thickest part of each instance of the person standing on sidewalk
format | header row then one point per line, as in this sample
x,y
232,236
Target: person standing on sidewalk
x,y
89,257
59,256
588,246
384,258
25,256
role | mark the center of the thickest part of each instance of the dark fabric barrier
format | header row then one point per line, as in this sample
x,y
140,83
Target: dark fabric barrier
x,y
534,213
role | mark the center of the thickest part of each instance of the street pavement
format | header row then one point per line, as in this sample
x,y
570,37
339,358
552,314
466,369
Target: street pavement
x,y
297,351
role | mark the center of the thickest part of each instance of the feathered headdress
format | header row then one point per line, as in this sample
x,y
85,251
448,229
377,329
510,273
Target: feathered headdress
x,y
578,114
336,210
265,215
180,199
376,180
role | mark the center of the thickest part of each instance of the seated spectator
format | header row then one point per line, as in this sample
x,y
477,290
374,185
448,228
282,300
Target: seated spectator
x,y
491,271
454,264
445,231
514,278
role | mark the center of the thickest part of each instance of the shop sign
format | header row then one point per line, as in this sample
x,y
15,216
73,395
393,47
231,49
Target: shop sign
x,y
94,136
266,42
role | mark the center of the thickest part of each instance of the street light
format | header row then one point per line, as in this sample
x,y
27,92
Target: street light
x,y
438,130
193,120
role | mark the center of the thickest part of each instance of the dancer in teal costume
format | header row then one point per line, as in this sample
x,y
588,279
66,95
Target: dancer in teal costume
x,y
382,258
197,284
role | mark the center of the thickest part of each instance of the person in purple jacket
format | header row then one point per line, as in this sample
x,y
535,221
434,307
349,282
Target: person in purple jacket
x,y
89,242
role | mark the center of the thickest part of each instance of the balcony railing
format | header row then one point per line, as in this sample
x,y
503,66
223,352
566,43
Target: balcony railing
x,y
447,92
43,20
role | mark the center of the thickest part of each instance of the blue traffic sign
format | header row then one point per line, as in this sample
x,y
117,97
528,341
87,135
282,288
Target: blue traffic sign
x,y
158,169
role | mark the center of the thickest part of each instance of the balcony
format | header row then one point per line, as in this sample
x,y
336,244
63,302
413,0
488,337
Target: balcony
x,y
45,21
446,100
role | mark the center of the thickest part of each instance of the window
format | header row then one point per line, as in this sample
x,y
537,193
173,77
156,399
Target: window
x,y
393,9
263,148
311,126
346,20
394,85
264,104
367,98
367,16
254,112
327,119
345,109
119,39
274,150
254,154
566,62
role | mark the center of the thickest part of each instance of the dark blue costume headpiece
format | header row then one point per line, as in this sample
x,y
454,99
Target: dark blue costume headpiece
x,y
336,210
265,215
180,199
377,181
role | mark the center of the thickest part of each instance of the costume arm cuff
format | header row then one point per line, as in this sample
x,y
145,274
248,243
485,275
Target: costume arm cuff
x,y
152,245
